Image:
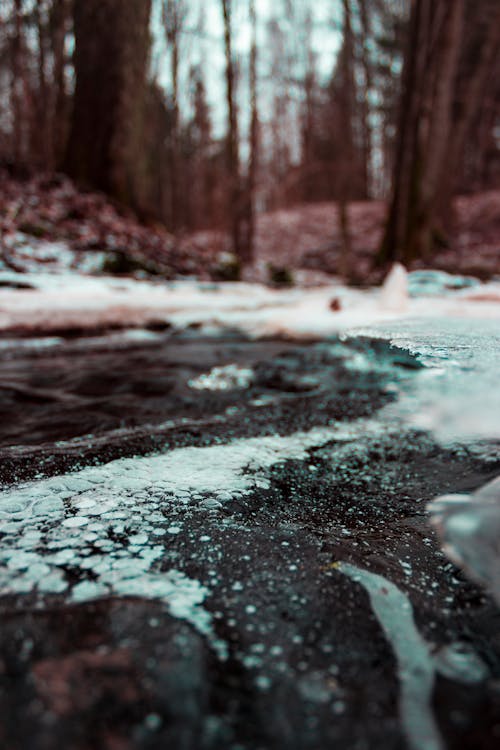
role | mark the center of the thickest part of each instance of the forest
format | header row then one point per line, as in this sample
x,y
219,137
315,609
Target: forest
x,y
204,116
249,357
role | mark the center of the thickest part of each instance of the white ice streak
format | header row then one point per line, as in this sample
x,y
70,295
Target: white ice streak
x,y
415,666
418,661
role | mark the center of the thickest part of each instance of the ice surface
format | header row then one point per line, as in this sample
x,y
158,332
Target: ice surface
x,y
430,283
457,396
469,527
109,527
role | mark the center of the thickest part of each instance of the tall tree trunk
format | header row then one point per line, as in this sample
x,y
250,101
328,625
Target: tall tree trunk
x,y
111,56
173,21
233,160
346,158
470,104
308,115
366,110
43,111
17,102
59,21
414,227
248,249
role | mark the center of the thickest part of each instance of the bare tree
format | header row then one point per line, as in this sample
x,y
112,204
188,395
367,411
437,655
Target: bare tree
x,y
174,16
468,101
59,24
430,71
18,91
345,162
367,93
232,145
111,55
253,159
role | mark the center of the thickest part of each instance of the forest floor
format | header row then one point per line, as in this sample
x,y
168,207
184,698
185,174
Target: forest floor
x,y
96,235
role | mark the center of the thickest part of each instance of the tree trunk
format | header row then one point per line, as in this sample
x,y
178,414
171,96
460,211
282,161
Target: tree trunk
x,y
17,102
248,249
414,228
111,56
346,159
173,21
469,105
60,16
233,160
43,111
366,109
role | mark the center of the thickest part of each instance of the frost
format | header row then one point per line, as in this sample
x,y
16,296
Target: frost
x,y
45,532
223,378
456,395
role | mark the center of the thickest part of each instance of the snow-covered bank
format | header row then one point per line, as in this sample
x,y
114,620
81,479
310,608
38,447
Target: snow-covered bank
x,y
47,302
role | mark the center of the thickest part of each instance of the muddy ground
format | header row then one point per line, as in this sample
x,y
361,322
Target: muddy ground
x,y
307,660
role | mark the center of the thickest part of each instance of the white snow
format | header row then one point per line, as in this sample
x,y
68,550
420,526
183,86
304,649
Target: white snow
x,y
394,294
68,299
223,378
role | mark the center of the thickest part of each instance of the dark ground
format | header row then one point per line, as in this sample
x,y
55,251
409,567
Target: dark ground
x,y
309,666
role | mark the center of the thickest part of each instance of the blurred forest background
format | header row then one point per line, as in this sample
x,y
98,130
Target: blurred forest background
x,y
230,121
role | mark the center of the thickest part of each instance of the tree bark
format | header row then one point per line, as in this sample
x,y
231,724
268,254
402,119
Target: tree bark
x,y
173,20
111,56
366,109
248,248
346,158
59,21
470,103
43,110
414,229
232,148
17,88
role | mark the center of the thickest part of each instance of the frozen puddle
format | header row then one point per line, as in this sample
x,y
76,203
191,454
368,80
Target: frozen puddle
x,y
456,396
108,528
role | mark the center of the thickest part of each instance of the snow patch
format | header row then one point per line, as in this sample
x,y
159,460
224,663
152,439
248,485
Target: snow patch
x,y
227,377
